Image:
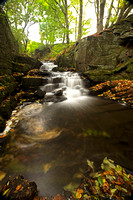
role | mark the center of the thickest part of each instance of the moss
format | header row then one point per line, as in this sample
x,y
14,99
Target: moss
x,y
21,68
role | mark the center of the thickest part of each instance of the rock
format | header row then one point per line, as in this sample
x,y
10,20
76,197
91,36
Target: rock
x,y
2,124
77,87
43,67
58,92
28,82
64,88
7,106
59,69
98,55
8,45
49,97
36,64
39,53
43,73
40,93
19,189
21,68
57,79
66,59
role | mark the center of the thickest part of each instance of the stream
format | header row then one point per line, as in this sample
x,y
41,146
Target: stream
x,y
52,141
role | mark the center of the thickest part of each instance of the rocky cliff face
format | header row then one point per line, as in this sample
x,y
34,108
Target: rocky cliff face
x,y
8,45
12,67
104,55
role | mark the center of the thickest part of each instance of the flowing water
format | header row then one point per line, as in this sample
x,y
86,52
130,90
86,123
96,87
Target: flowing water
x,y
52,141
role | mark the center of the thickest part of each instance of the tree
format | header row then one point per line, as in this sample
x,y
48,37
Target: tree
x,y
117,11
22,15
99,9
62,7
80,19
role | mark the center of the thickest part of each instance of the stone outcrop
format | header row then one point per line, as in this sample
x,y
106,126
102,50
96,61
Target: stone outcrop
x,y
104,56
13,67
8,45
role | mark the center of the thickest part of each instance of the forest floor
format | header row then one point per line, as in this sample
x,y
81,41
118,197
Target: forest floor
x,y
117,90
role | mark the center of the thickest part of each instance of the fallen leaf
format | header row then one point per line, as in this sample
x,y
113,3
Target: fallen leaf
x,y
18,187
47,167
2,175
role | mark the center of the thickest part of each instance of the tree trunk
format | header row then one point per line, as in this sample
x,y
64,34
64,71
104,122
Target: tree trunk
x,y
102,6
122,11
97,14
76,29
63,41
109,14
80,20
99,9
66,20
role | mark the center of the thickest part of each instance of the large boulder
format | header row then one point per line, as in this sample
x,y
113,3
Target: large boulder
x,y
103,56
106,49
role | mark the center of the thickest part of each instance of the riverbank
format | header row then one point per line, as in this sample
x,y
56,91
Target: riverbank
x,y
117,90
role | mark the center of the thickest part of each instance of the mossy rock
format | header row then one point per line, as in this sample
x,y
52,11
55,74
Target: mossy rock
x,y
21,68
7,106
2,124
8,86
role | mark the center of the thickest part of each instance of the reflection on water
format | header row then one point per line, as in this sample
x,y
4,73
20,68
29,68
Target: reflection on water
x,y
51,143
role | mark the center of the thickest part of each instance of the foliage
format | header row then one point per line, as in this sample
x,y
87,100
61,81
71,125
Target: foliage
x,y
32,45
112,182
22,14
120,90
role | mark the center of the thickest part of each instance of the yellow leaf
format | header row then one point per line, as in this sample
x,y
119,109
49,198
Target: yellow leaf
x,y
78,195
2,175
5,192
47,167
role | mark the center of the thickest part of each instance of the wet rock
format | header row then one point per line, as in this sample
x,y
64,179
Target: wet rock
x,y
49,97
31,82
40,92
57,80
58,69
7,106
18,189
43,67
45,81
77,87
2,124
58,92
64,88
43,73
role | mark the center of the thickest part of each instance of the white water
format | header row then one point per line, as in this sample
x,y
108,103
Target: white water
x,y
69,82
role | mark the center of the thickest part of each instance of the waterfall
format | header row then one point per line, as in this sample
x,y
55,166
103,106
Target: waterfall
x,y
65,84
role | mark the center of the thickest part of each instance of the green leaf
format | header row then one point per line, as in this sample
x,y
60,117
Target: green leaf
x,y
107,164
90,164
100,180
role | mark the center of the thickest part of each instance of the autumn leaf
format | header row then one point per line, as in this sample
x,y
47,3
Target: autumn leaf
x,y
2,175
18,187
47,167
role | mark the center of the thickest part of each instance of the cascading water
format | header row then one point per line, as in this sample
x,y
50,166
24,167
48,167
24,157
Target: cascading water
x,y
69,83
